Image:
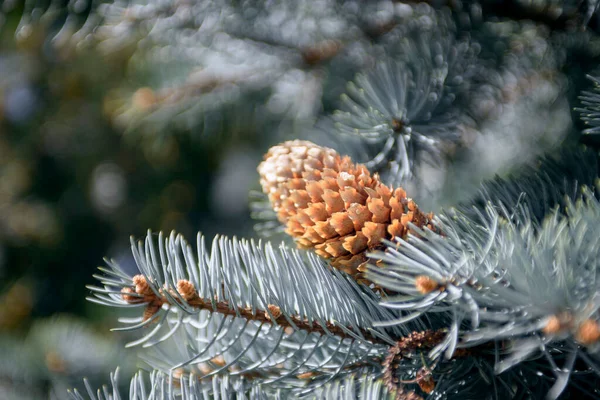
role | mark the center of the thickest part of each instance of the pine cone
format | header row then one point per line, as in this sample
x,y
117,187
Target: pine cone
x,y
332,205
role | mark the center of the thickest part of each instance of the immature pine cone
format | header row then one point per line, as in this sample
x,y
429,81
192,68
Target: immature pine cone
x,y
332,205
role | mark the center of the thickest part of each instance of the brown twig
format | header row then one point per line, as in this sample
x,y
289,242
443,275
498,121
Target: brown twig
x,y
418,341
224,308
425,340
274,316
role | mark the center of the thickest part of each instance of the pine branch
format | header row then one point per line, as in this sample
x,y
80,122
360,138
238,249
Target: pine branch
x,y
534,287
548,14
66,24
506,284
271,314
221,58
418,340
540,187
365,386
590,112
159,386
402,109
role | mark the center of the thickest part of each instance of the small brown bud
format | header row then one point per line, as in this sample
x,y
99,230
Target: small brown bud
x,y
306,375
233,368
143,99
397,125
152,309
425,380
186,289
557,323
274,310
219,361
425,284
588,332
141,286
55,362
553,326
321,51
126,295
204,368
178,373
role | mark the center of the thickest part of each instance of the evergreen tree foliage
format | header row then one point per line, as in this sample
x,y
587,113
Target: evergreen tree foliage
x,y
486,113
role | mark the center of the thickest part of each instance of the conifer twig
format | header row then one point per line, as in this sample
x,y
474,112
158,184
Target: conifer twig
x,y
272,315
423,341
417,340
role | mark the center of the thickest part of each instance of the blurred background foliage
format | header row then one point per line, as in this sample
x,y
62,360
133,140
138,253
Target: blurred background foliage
x,y
74,186
118,117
